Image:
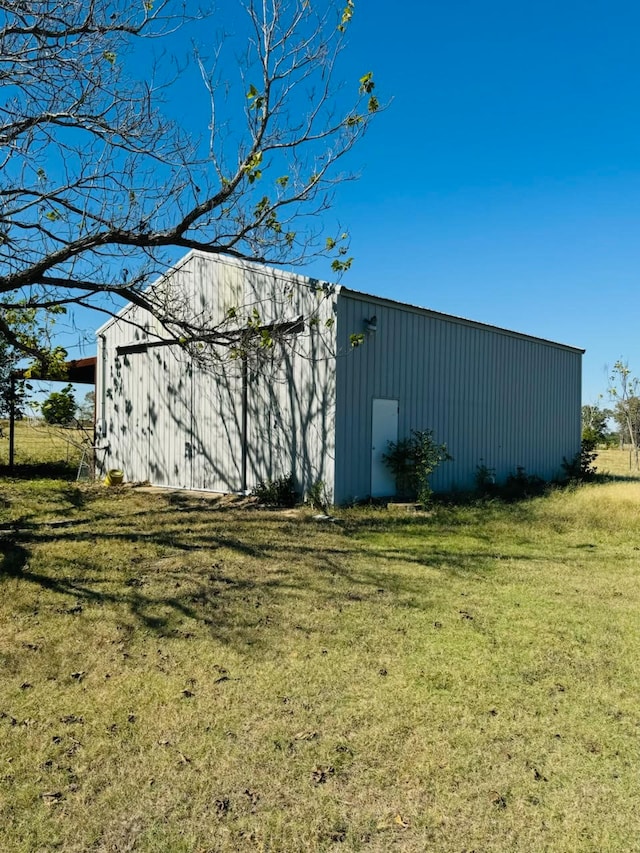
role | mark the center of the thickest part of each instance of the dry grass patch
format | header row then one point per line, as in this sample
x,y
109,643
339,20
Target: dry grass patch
x,y
617,462
177,674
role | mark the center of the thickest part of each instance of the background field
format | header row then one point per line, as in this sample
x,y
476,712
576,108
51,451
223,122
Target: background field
x,y
189,674
621,463
36,442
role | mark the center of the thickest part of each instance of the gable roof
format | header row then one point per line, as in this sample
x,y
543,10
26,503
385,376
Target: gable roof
x,y
339,289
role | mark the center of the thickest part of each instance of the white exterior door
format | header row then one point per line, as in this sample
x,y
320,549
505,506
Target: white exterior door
x,y
384,428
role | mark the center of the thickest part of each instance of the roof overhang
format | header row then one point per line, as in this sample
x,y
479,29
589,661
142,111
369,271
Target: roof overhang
x,y
81,371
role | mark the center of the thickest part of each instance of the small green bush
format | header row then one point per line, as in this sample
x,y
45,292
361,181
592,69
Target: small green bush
x,y
485,478
580,469
278,492
518,486
522,485
412,461
317,496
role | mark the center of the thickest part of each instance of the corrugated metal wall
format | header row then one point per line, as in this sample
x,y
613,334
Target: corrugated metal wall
x,y
178,422
495,398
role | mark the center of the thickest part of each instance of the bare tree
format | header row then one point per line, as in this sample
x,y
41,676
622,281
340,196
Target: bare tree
x,y
624,390
100,184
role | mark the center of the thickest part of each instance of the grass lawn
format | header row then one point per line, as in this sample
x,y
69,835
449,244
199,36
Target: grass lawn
x,y
179,673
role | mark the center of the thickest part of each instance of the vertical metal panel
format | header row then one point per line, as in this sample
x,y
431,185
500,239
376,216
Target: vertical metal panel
x,y
292,384
167,376
217,426
494,397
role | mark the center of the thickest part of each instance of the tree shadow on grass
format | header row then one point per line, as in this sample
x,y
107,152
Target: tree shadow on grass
x,y
40,471
14,558
238,576
160,613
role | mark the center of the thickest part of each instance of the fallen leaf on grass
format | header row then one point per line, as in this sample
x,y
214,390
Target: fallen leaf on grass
x,y
321,774
51,797
71,610
222,806
254,796
498,800
75,746
397,822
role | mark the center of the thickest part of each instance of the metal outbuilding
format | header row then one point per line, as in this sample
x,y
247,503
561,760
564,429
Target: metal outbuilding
x,y
316,379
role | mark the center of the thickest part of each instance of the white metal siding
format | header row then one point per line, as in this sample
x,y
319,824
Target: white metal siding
x,y
494,397
178,423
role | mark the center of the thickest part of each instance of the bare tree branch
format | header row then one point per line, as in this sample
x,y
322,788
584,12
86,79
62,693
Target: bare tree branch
x,y
100,183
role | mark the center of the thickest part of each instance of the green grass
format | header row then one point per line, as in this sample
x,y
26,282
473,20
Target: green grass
x,y
180,673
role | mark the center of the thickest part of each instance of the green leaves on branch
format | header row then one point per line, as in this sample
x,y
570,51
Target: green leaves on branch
x,y
252,167
270,220
366,84
347,14
60,407
50,365
341,266
341,263
256,100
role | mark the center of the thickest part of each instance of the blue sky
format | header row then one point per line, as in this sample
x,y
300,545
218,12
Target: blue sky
x,y
503,181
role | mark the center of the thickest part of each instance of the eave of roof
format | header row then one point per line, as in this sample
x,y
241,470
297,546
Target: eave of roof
x,y
452,318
